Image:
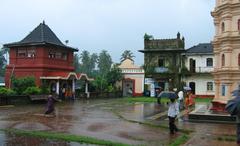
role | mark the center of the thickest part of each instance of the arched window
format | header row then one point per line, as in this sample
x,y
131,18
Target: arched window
x,y
223,27
223,60
239,59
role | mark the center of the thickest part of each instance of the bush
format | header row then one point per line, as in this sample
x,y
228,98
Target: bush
x,y
32,91
6,92
45,90
21,84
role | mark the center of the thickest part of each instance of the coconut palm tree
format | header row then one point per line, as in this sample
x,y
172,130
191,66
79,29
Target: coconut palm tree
x,y
127,54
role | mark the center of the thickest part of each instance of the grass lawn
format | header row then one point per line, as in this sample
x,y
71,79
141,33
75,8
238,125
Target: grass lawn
x,y
64,137
144,99
206,100
163,100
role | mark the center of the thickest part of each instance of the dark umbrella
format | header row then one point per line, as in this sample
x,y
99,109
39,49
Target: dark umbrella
x,y
168,94
233,106
236,93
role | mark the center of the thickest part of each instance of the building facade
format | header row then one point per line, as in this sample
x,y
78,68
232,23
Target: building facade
x,y
133,78
163,61
199,61
42,55
226,46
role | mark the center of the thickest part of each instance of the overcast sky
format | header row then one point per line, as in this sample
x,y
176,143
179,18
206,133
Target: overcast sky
x,y
113,25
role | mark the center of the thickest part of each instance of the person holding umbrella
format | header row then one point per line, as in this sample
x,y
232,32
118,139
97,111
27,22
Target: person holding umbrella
x,y
173,111
233,107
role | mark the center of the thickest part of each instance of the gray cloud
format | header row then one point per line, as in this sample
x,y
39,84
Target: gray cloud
x,y
114,25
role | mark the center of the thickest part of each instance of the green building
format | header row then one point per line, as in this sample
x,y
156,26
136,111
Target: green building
x,y
163,62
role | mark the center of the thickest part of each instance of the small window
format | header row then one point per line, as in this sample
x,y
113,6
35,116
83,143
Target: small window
x,y
239,59
31,53
161,62
209,86
238,24
51,54
209,62
223,90
58,55
223,26
223,60
64,56
21,52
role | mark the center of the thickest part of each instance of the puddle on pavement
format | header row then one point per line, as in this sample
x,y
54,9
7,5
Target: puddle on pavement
x,y
15,140
142,111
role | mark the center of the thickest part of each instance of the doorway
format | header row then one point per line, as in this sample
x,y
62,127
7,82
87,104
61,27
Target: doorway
x,y
192,85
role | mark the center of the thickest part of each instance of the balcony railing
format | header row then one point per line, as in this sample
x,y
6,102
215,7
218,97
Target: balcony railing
x,y
201,70
161,69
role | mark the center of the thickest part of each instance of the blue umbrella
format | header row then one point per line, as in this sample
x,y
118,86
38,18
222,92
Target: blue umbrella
x,y
187,88
168,94
233,105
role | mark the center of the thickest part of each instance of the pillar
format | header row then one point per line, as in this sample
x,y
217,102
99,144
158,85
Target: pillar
x,y
73,85
86,89
57,87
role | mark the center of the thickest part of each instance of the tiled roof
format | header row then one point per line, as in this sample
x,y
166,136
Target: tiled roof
x,y
65,75
41,35
201,48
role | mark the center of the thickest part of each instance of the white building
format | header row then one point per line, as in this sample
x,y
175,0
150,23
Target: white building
x,y
133,78
199,60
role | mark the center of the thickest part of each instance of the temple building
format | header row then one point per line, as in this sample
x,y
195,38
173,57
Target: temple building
x,y
42,55
226,46
163,62
133,78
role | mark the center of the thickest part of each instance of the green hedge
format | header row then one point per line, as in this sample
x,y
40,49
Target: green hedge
x,y
32,91
6,92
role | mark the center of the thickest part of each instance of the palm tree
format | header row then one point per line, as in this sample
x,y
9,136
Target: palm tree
x,y
127,54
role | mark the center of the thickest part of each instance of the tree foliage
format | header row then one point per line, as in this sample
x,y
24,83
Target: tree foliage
x,y
114,75
104,62
76,63
21,84
148,37
127,54
3,61
88,62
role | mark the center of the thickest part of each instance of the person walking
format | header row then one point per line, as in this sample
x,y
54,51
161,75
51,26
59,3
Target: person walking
x,y
173,111
50,105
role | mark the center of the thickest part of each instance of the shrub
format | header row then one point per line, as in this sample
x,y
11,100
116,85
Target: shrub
x,y
32,91
6,92
21,84
45,90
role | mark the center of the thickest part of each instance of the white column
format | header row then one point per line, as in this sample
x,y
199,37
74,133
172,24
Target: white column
x,y
73,85
86,89
57,87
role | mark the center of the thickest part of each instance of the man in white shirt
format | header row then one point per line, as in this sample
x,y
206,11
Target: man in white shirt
x,y
173,111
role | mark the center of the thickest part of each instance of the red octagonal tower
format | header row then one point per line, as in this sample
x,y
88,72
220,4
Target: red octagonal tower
x,y
42,55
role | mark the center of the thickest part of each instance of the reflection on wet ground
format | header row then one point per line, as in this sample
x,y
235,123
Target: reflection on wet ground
x,y
95,118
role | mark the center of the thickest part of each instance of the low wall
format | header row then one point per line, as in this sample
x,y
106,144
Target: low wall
x,y
99,95
16,99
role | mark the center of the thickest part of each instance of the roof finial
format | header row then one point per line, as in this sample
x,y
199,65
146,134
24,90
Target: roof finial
x,y
178,35
43,21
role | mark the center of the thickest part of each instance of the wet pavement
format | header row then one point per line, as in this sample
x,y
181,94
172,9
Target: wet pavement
x,y
97,118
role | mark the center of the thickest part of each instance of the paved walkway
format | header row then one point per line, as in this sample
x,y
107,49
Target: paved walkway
x,y
96,118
